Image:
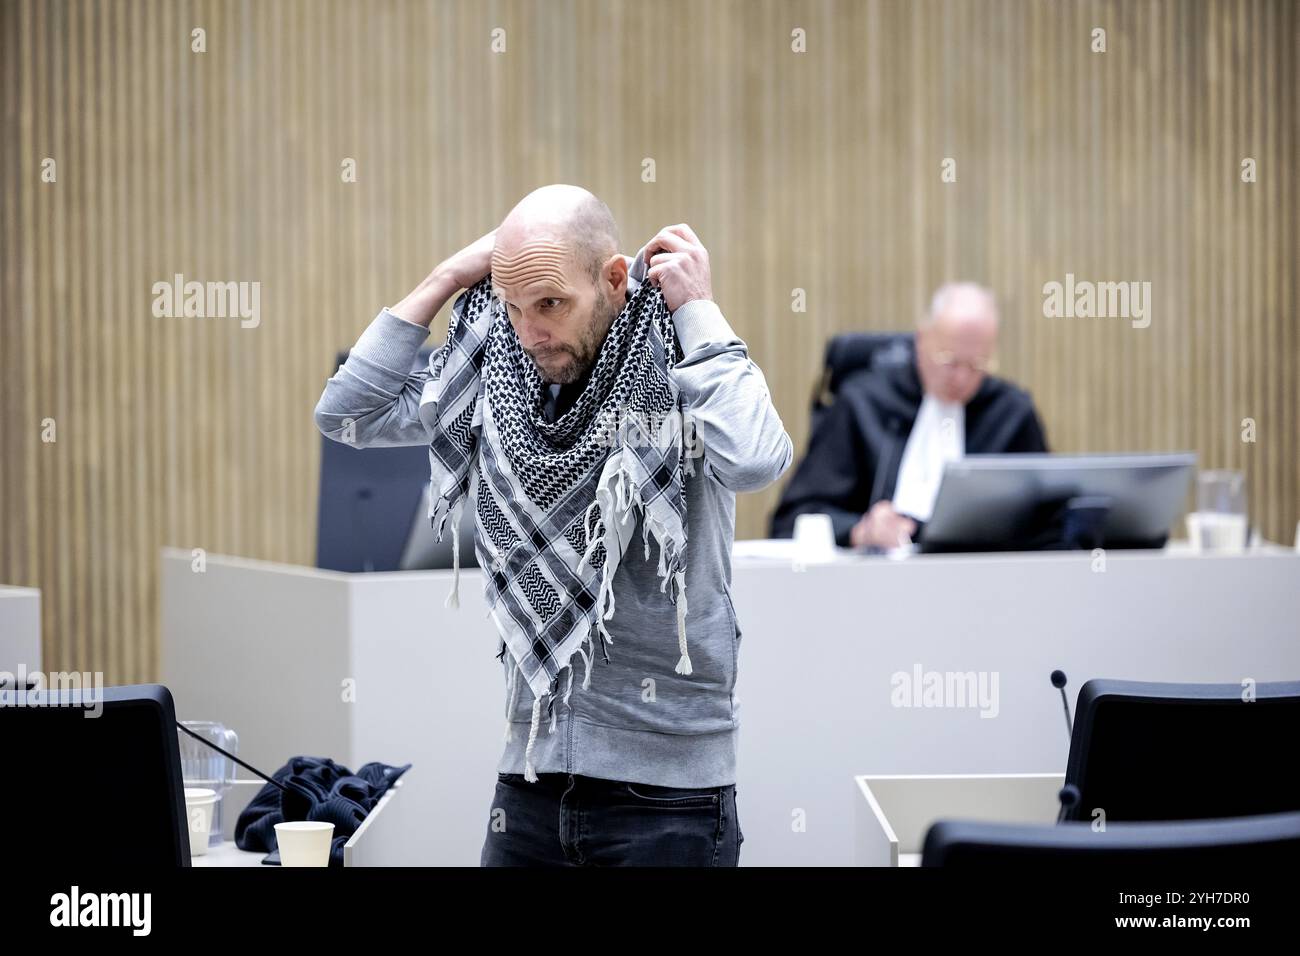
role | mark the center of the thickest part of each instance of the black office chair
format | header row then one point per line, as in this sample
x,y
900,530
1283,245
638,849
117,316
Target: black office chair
x,y
852,352
1143,751
1244,841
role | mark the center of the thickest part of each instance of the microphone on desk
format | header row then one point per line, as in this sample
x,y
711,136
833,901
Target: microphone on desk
x,y
1069,795
1058,681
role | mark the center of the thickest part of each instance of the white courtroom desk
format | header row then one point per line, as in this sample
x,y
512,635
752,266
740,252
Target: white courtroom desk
x,y
894,812
20,629
377,842
268,648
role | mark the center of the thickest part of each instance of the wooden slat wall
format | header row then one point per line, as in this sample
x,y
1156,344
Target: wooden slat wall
x,y
818,171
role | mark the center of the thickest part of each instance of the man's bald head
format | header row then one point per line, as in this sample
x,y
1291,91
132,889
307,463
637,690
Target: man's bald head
x,y
563,219
556,266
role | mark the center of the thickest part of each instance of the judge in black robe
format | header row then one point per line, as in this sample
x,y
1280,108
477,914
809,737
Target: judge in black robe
x,y
853,456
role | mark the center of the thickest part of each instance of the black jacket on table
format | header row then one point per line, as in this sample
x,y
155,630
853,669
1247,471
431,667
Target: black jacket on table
x,y
855,452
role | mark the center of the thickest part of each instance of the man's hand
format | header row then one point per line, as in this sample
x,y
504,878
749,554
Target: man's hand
x,y
471,263
460,271
882,527
679,266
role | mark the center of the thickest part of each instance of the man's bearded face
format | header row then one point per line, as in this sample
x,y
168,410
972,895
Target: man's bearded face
x,y
559,311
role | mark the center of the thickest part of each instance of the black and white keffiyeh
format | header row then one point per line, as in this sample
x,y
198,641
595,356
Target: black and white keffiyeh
x,y
558,501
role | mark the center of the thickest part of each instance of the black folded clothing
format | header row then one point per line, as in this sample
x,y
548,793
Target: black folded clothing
x,y
319,790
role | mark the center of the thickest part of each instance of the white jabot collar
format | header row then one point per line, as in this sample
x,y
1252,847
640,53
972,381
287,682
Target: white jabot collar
x,y
938,436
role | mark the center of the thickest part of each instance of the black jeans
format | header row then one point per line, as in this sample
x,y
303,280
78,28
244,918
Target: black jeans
x,y
570,820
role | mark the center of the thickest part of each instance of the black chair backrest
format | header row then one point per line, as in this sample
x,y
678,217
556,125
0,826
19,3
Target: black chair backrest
x,y
852,352
1158,751
1242,841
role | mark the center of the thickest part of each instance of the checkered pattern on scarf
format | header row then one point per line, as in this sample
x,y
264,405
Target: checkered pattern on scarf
x,y
544,534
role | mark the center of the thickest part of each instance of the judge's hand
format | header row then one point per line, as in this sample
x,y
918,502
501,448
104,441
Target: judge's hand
x,y
679,266
882,527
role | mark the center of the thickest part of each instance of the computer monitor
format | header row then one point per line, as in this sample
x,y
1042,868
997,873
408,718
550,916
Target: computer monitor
x,y
1146,751
1250,841
423,550
94,777
1042,501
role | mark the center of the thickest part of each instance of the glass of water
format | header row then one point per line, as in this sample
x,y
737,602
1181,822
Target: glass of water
x,y
204,767
1219,525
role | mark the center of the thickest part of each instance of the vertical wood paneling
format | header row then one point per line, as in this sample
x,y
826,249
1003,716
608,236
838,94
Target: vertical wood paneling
x,y
818,171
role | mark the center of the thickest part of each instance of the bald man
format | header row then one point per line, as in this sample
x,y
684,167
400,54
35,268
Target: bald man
x,y
639,767
875,462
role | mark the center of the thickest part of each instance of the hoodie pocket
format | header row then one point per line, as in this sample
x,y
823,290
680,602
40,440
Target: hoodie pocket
x,y
735,651
731,610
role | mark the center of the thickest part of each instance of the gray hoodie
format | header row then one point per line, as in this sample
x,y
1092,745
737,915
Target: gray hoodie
x,y
638,721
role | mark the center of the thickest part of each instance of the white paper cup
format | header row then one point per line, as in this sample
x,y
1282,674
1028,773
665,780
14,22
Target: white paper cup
x,y
304,843
814,539
199,804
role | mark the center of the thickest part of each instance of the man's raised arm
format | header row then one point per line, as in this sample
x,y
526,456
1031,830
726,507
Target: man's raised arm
x,y
745,446
374,397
